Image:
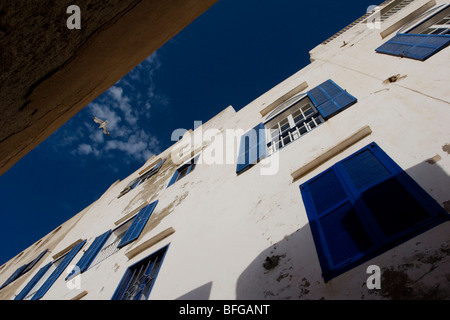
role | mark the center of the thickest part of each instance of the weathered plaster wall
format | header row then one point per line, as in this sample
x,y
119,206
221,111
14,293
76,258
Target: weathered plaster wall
x,y
248,236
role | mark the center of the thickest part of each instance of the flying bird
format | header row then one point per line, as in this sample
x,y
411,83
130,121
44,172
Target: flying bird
x,y
102,125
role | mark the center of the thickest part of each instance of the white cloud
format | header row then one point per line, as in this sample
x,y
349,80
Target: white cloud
x,y
104,112
123,103
86,149
126,105
139,145
97,136
116,92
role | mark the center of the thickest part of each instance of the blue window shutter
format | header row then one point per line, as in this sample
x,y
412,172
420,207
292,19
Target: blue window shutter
x,y
36,260
252,148
14,276
414,46
335,225
57,272
363,206
87,258
23,269
22,294
330,99
137,225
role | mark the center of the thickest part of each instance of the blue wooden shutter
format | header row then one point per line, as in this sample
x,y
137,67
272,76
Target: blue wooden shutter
x,y
363,206
14,276
329,98
414,46
336,228
36,260
57,272
137,225
87,258
22,294
23,269
252,148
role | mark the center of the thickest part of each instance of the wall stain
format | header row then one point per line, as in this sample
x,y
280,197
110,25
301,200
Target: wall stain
x,y
393,78
272,261
159,215
151,188
447,205
399,282
434,159
446,148
304,285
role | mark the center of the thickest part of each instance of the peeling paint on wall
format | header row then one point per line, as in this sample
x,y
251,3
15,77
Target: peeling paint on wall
x,y
394,78
446,148
410,280
159,215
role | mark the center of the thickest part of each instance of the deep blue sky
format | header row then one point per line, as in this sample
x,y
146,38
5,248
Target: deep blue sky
x,y
230,55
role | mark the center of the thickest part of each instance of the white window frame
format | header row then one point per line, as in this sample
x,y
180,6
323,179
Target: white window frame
x,y
434,16
110,246
310,119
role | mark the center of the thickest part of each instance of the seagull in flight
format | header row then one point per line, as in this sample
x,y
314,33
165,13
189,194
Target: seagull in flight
x,y
102,124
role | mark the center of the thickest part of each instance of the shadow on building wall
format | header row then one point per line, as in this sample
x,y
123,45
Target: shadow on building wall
x,y
201,293
418,269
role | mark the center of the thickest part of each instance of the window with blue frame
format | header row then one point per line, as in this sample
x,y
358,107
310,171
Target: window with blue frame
x,y
138,280
112,241
291,120
141,179
427,37
183,170
363,206
43,280
23,270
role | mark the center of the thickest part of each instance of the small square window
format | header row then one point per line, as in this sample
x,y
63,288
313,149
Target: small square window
x,y
139,279
290,124
184,170
142,178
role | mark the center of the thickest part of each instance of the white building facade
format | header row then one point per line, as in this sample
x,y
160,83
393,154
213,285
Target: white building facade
x,y
335,184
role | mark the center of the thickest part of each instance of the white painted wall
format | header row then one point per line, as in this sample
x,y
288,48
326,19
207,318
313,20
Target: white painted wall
x,y
227,225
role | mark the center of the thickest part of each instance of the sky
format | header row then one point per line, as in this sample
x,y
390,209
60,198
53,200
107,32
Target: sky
x,y
230,55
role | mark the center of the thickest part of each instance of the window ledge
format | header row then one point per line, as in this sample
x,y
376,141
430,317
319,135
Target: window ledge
x,y
80,295
149,243
151,165
330,153
408,18
66,250
285,97
131,214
